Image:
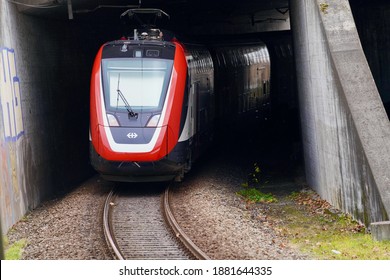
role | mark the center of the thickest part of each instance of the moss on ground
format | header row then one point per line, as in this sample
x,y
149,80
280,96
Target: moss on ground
x,y
312,225
14,251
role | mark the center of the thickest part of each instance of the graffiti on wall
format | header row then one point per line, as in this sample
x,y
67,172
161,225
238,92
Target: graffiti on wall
x,y
10,96
11,131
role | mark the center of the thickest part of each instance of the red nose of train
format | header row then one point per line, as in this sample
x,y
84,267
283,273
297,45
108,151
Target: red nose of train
x,y
136,99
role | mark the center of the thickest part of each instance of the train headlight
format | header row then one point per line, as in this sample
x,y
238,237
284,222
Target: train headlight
x,y
112,121
153,121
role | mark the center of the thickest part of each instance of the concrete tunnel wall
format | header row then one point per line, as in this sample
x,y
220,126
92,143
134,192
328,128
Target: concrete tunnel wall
x,y
44,110
345,129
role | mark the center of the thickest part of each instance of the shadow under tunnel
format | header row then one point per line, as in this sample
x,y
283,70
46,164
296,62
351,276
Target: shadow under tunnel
x,y
372,20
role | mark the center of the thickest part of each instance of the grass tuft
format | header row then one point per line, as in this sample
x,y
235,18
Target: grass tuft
x,y
15,250
254,195
252,186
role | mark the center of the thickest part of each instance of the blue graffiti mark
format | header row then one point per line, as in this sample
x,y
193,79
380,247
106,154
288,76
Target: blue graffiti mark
x,y
10,98
16,80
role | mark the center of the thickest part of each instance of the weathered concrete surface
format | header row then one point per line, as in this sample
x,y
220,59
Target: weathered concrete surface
x,y
44,81
345,130
381,230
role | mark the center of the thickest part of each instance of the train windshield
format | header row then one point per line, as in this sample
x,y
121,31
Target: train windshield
x,y
143,83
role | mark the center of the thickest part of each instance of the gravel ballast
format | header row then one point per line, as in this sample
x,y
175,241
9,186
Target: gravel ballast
x,y
223,224
205,204
66,228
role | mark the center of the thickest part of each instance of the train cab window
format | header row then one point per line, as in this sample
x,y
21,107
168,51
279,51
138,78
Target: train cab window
x,y
143,83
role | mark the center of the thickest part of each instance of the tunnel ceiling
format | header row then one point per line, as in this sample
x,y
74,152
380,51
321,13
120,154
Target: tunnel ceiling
x,y
197,16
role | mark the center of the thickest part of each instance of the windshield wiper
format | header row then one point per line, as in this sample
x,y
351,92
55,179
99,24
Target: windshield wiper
x,y
127,105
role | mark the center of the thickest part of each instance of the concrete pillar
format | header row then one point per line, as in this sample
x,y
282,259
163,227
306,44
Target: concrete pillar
x,y
381,230
345,130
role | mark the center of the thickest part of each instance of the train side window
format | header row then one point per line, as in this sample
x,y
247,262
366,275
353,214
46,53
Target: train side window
x,y
222,59
283,51
218,61
234,58
258,56
241,58
290,51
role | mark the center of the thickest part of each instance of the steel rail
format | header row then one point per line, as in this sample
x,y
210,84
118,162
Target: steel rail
x,y
184,238
108,232
169,218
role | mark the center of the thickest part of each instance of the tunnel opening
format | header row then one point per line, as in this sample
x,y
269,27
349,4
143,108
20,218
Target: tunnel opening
x,y
276,140
54,62
281,130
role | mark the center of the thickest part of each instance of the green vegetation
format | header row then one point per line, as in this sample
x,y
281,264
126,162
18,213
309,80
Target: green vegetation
x,y
251,191
14,251
254,195
311,225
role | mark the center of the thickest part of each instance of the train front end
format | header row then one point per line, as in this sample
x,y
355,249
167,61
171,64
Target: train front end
x,y
136,104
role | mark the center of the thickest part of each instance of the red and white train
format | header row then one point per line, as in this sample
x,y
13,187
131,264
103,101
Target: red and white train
x,y
154,103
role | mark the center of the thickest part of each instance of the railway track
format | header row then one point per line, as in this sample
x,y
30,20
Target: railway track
x,y
141,225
